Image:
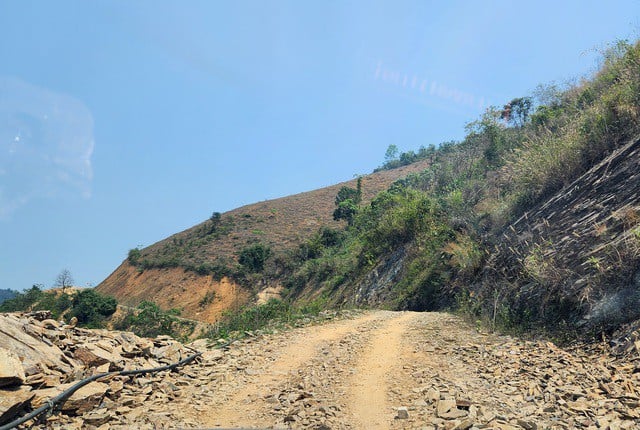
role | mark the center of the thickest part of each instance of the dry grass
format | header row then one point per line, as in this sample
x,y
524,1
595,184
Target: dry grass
x,y
281,223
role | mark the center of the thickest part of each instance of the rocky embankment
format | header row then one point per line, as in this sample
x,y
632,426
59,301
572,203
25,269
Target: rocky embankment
x,y
372,370
40,358
578,251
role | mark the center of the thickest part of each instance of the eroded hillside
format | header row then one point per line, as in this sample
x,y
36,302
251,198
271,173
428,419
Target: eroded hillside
x,y
530,222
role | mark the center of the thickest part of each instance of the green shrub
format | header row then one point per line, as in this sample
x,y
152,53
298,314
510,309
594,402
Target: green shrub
x,y
148,320
23,301
134,256
253,258
91,308
252,318
208,298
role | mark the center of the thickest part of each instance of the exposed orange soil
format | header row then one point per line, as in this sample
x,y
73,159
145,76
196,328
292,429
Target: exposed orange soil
x,y
174,288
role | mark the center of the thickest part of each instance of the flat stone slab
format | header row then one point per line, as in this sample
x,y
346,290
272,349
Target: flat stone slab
x,y
11,370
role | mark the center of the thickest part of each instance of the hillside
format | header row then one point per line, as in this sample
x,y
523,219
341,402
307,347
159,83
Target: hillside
x,y
582,245
529,223
184,269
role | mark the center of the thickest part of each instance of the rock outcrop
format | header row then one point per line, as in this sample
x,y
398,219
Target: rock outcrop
x,y
577,254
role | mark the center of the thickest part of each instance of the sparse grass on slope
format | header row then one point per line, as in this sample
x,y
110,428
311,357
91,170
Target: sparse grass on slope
x,y
440,228
213,246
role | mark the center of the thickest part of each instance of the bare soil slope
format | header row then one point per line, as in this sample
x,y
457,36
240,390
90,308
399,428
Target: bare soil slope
x,y
198,297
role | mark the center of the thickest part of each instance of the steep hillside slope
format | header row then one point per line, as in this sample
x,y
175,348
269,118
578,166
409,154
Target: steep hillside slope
x,y
572,260
580,249
190,270
531,222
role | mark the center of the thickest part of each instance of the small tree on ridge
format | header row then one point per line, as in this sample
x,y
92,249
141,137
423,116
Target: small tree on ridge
x,y
64,279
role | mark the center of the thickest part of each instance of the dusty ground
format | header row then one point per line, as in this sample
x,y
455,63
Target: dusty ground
x,y
381,370
397,370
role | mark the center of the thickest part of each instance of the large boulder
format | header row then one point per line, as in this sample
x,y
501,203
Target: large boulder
x,y
26,339
83,400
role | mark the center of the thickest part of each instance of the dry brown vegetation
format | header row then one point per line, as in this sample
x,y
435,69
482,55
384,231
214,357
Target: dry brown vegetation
x,y
530,222
280,223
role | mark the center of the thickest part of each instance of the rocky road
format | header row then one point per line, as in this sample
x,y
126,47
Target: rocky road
x,y
382,370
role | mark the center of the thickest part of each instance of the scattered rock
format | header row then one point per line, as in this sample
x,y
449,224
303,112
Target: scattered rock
x,y
40,358
463,425
13,401
89,358
97,418
402,413
446,408
449,379
11,370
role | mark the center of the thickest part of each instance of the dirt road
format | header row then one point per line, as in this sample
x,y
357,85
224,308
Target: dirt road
x,y
397,370
352,370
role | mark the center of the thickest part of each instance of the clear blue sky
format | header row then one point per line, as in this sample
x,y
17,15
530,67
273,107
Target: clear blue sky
x,y
122,122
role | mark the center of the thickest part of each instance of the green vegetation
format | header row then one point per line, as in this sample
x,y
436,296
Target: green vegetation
x,y
23,301
89,307
448,218
92,308
148,320
215,221
348,203
134,256
253,258
394,158
208,298
274,313
446,223
185,251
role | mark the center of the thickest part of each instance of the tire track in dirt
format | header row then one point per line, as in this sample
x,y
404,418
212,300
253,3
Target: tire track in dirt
x,y
247,406
368,396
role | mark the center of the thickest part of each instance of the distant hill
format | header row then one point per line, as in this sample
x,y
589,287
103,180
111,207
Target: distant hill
x,y
7,294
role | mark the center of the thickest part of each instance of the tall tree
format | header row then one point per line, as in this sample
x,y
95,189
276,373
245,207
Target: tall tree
x,y
347,202
517,111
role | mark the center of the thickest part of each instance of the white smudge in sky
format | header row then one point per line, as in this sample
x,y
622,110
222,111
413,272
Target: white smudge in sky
x,y
46,143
